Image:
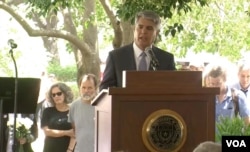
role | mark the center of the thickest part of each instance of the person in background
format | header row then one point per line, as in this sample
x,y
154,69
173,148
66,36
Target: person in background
x,y
81,114
59,134
196,65
40,108
224,104
205,72
43,102
46,82
243,83
129,57
208,146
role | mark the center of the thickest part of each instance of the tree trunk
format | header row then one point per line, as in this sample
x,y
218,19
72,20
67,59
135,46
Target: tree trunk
x,y
128,29
89,62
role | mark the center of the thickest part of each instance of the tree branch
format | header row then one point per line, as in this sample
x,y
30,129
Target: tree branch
x,y
50,33
114,22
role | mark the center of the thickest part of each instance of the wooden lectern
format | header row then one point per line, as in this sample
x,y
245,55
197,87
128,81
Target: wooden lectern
x,y
130,119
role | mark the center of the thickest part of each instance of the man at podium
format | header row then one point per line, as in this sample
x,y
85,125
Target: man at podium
x,y
139,55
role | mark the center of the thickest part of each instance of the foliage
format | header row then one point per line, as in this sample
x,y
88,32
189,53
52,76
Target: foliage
x,y
64,74
6,62
74,88
67,75
5,69
47,6
231,126
103,26
217,29
125,10
164,8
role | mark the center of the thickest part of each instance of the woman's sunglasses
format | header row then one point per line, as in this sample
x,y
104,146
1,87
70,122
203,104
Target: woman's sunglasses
x,y
56,94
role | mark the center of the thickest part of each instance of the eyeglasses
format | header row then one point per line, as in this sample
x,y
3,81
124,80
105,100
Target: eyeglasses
x,y
56,94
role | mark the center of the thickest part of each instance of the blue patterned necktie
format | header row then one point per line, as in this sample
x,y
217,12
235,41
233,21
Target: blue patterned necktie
x,y
142,63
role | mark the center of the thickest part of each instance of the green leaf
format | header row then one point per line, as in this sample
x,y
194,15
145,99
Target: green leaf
x,y
173,32
231,126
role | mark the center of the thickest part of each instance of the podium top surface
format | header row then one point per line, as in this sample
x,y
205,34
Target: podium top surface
x,y
159,83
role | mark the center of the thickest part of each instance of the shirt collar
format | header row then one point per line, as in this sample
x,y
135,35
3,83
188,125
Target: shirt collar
x,y
244,91
138,51
228,96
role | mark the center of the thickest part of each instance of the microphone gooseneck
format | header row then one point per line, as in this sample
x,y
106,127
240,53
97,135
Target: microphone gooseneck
x,y
13,45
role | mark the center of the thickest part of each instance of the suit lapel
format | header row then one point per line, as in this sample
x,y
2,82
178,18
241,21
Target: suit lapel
x,y
131,64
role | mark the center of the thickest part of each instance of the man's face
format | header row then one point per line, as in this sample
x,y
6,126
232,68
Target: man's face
x,y
216,82
87,89
145,33
244,78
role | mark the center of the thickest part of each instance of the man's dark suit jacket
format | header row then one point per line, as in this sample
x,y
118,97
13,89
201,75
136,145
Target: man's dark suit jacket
x,y
123,59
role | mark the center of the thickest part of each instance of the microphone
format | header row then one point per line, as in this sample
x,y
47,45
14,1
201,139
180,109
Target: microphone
x,y
154,63
12,43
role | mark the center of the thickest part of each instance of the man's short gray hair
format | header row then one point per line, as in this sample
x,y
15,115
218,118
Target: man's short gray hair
x,y
150,15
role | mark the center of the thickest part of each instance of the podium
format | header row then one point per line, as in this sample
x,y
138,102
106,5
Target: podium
x,y
155,111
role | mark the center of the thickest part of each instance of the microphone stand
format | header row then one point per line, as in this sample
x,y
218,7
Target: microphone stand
x,y
1,122
15,100
154,63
